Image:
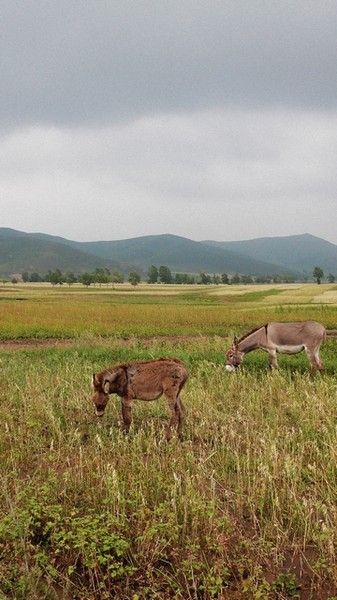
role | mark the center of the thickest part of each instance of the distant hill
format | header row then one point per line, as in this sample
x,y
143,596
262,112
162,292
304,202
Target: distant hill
x,y
24,252
179,253
299,253
293,255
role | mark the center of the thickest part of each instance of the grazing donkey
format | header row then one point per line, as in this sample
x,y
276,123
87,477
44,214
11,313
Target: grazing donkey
x,y
288,338
143,380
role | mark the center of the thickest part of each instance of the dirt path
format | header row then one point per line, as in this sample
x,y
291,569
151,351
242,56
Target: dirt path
x,y
27,344
35,344
32,344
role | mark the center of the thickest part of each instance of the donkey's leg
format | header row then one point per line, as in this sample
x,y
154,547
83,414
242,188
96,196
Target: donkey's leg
x,y
181,408
181,411
314,358
172,391
318,359
272,359
174,406
126,413
174,418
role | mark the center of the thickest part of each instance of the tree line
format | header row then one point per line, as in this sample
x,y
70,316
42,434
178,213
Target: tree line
x,y
100,276
163,274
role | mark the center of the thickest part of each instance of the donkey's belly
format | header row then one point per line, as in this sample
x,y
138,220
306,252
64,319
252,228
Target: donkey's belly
x,y
290,349
144,393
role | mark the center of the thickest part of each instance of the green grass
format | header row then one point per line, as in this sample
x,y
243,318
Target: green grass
x,y
96,514
243,508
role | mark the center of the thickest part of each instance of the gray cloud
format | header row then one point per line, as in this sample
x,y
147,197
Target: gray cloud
x,y
205,119
226,174
73,63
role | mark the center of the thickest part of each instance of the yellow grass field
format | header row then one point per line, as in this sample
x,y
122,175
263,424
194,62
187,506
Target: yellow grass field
x,y
45,311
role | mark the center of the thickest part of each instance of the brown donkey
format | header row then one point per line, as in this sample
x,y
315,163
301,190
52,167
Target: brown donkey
x,y
142,380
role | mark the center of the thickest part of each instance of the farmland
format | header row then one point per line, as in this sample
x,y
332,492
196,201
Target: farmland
x,y
244,508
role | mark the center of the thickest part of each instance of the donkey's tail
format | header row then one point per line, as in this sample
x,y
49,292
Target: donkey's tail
x,y
331,332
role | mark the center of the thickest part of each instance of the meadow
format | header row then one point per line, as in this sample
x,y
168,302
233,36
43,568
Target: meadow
x,y
245,507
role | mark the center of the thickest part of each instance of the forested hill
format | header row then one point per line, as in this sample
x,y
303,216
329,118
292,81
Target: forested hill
x,y
20,252
295,252
178,253
293,255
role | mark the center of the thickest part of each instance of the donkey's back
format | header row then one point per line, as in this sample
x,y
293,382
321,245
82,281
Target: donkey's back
x,y
303,333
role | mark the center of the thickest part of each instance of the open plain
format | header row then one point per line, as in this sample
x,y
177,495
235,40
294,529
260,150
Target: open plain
x,y
245,507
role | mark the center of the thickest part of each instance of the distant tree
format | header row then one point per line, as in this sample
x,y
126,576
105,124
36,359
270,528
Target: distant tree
x,y
183,278
224,278
331,278
216,279
165,274
236,278
86,278
205,279
286,278
25,276
134,278
56,277
14,280
35,277
108,275
246,279
117,277
152,274
70,278
318,274
101,276
262,279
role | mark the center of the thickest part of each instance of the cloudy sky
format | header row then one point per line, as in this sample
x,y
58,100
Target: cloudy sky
x,y
207,119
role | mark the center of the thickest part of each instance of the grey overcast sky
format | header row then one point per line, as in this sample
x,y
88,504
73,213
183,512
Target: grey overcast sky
x,y
207,119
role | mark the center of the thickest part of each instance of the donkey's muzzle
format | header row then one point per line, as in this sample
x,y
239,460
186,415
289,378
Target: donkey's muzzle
x,y
100,411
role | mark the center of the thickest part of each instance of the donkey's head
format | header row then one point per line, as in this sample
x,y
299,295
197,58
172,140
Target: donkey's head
x,y
103,384
234,356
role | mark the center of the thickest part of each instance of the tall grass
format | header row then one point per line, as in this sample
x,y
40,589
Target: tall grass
x,y
245,507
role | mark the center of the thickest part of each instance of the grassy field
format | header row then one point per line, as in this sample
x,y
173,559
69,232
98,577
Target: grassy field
x,y
47,312
244,508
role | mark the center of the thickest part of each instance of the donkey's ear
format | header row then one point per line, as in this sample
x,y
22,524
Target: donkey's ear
x,y
235,341
110,378
93,381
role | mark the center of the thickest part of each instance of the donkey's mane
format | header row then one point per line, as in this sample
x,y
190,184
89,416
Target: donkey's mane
x,y
243,337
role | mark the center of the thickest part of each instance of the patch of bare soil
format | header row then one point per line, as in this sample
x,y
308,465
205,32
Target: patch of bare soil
x,y
31,343
312,585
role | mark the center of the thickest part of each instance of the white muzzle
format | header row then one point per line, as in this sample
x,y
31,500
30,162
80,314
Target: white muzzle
x,y
230,368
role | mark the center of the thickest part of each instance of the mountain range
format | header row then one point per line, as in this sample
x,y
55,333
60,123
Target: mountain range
x,y
295,255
